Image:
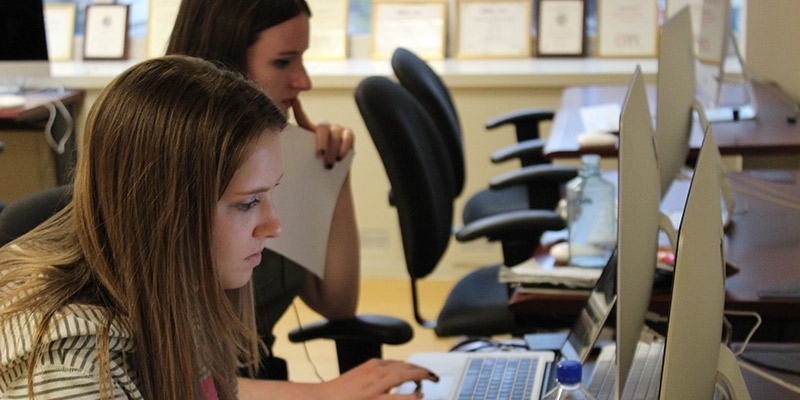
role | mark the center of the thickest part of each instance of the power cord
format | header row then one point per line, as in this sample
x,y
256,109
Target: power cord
x,y
729,328
55,107
769,377
772,378
764,192
305,346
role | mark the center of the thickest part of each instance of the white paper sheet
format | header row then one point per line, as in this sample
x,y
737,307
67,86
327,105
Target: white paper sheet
x,y
305,200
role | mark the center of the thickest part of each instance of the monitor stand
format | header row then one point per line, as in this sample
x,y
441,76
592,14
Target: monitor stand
x,y
729,375
710,81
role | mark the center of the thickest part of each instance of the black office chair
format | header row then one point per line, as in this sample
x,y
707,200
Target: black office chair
x,y
538,185
357,339
422,191
26,213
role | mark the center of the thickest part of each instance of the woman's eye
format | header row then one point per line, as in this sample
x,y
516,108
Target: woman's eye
x,y
281,63
249,205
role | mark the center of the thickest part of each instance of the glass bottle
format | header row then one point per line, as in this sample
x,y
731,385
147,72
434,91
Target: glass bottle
x,y
591,215
568,376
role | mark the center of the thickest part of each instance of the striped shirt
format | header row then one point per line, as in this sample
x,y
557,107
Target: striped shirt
x,y
68,368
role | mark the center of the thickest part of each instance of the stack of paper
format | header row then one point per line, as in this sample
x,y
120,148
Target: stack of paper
x,y
533,277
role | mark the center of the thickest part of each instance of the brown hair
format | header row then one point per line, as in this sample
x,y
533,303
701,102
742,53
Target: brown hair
x,y
161,144
222,30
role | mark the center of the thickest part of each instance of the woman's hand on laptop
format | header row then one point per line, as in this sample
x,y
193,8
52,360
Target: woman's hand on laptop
x,y
375,379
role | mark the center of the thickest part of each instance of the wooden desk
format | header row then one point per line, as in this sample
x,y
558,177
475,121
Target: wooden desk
x,y
770,133
25,152
763,240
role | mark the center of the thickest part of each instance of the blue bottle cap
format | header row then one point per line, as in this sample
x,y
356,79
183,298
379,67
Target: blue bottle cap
x,y
569,372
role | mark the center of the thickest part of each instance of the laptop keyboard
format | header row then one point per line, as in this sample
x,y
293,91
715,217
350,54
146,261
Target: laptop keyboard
x,y
498,378
643,378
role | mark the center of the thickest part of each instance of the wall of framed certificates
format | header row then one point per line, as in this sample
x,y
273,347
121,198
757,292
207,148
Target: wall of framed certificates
x,y
435,29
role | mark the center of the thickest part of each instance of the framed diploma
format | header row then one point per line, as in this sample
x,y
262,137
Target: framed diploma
x,y
160,19
627,28
416,25
493,28
59,20
106,33
561,28
328,39
714,31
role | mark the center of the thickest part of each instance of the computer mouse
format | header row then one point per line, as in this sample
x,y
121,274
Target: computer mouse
x,y
597,139
11,101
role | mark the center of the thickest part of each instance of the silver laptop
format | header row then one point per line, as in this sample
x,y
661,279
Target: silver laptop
x,y
527,374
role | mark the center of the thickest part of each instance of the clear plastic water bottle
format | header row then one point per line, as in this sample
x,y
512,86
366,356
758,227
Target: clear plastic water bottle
x,y
568,376
591,215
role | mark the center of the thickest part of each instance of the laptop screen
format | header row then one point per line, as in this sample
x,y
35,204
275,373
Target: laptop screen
x,y
590,321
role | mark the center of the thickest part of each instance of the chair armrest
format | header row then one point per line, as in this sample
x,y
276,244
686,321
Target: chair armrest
x,y
525,121
527,148
518,231
533,174
512,225
357,339
367,327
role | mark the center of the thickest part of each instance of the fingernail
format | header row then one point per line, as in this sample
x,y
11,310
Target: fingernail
x,y
434,376
328,166
338,158
320,152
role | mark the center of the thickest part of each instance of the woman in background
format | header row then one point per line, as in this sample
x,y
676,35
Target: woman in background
x,y
139,288
265,40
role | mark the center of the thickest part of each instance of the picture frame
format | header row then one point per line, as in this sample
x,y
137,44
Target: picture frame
x,y
417,25
561,28
59,19
493,29
161,16
106,32
328,39
627,28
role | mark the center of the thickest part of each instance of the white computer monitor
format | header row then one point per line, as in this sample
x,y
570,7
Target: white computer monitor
x,y
23,44
675,95
694,328
714,40
638,223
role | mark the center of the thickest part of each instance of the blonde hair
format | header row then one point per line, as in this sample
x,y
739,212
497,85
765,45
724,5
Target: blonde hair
x,y
161,144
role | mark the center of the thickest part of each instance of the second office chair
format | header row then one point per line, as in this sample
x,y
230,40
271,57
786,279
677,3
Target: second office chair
x,y
538,185
422,192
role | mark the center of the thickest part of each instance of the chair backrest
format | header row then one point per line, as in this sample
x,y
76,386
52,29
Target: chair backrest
x,y
425,84
418,168
26,213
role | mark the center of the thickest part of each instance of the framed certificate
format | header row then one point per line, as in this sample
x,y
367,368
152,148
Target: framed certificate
x,y
328,39
59,20
561,28
160,20
714,31
106,33
417,25
627,28
493,28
